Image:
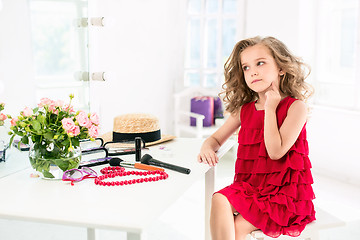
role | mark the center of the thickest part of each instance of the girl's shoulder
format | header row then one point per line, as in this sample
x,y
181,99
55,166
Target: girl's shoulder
x,y
298,106
292,107
292,102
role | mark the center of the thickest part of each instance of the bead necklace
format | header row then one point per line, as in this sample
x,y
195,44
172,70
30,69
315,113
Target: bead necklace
x,y
112,172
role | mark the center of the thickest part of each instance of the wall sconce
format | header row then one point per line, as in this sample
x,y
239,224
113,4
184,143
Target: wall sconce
x,y
84,22
97,21
98,76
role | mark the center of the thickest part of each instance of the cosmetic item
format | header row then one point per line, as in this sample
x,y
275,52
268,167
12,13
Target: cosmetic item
x,y
121,151
138,149
122,163
94,162
112,172
147,159
95,150
21,146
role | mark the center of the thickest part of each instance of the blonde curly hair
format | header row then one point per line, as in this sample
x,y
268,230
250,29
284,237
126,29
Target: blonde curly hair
x,y
237,93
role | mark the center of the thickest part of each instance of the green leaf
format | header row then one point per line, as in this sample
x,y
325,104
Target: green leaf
x,y
11,139
47,174
40,118
63,165
36,125
49,135
24,140
75,142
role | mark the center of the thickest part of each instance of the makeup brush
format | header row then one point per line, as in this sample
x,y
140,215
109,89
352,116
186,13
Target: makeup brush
x,y
119,162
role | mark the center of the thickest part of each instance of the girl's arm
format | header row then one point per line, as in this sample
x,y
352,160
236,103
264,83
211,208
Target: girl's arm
x,y
279,141
212,144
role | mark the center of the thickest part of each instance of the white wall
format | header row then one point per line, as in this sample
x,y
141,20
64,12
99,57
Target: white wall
x,y
140,49
17,87
333,137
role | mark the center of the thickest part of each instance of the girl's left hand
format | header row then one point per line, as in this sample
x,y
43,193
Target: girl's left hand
x,y
273,97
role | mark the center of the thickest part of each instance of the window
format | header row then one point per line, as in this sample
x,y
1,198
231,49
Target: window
x,y
338,56
211,35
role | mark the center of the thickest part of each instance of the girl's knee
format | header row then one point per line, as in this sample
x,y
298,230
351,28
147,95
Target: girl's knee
x,y
219,198
219,201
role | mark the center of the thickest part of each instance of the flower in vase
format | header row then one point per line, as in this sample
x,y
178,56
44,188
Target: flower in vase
x,y
55,130
3,117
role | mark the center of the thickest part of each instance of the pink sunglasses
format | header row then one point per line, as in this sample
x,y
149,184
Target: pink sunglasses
x,y
77,175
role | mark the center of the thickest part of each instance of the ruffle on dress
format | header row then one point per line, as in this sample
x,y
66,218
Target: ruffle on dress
x,y
273,195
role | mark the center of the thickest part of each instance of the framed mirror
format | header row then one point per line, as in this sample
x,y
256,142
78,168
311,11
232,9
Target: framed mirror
x,y
59,33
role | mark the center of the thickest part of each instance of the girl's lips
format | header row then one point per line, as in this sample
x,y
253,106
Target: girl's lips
x,y
256,80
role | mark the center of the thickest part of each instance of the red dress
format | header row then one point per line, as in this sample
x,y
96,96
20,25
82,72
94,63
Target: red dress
x,y
273,195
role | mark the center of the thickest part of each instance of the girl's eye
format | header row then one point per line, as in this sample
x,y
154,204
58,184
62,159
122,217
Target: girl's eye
x,y
260,63
245,68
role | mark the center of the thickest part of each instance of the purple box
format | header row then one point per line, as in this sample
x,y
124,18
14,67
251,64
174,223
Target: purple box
x,y
218,108
204,106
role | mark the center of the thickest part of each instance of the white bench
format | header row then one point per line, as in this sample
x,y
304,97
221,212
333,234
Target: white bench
x,y
324,220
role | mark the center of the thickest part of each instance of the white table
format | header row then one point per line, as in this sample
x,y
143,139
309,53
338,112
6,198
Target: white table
x,y
129,208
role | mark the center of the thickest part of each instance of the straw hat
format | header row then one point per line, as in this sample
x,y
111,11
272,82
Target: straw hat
x,y
128,126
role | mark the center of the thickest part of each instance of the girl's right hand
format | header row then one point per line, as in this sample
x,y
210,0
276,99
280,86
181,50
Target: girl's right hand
x,y
207,155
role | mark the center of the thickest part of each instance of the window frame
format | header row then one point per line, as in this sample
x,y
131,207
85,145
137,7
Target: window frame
x,y
328,79
220,17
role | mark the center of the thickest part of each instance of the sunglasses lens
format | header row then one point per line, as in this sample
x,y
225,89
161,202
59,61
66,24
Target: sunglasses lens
x,y
89,171
73,174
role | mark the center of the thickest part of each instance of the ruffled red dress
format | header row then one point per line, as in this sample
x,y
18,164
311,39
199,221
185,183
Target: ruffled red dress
x,y
273,195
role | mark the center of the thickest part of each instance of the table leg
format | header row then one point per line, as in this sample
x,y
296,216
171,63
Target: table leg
x,y
209,190
136,236
90,234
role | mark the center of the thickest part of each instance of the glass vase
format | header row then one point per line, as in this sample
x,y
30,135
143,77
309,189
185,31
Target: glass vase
x,y
51,161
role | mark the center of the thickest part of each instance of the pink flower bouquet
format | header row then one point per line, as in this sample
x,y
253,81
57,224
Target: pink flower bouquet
x,y
3,117
55,131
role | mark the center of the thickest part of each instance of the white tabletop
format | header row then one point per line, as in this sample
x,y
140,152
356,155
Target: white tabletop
x,y
128,208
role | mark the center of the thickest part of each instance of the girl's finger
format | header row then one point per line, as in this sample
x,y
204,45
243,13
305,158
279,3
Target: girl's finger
x,y
199,158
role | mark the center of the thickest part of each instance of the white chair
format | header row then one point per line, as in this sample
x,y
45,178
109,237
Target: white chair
x,y
182,112
324,220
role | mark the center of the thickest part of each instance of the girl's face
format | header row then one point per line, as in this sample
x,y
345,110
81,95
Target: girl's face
x,y
260,68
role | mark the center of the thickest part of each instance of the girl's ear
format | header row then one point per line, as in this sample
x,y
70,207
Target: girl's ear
x,y
281,72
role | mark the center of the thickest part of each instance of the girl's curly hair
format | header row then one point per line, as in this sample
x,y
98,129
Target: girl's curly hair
x,y
237,93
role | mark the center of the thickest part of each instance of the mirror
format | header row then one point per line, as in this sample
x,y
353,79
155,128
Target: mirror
x,y
43,53
59,33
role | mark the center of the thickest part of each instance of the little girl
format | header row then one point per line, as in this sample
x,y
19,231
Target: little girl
x,y
264,92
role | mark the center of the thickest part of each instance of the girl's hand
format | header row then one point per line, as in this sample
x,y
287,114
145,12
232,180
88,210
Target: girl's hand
x,y
273,97
207,155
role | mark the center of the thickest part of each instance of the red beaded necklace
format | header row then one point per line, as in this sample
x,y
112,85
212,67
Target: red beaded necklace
x,y
112,172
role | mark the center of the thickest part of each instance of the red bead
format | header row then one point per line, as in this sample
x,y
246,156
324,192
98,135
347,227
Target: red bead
x,y
112,172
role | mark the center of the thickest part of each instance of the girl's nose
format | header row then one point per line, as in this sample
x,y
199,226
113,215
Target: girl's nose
x,y
254,74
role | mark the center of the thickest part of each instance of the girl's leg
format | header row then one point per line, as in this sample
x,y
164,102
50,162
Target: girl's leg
x,y
221,218
242,228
